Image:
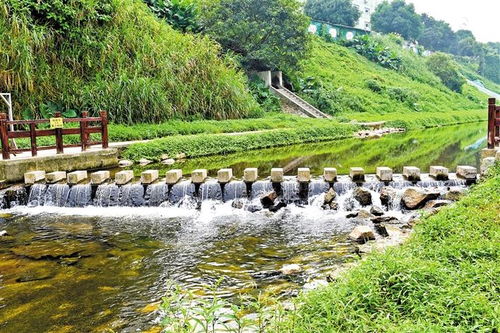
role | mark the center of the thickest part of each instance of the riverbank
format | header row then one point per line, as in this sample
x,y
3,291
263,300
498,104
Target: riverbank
x,y
300,131
445,278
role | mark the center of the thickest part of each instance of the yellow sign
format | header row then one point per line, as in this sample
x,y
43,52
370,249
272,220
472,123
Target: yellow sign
x,y
56,123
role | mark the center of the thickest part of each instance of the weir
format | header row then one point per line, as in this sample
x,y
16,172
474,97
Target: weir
x,y
300,190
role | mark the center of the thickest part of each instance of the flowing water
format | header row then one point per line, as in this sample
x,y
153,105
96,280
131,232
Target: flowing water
x,y
86,259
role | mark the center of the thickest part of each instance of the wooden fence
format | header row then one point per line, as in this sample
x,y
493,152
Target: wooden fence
x,y
84,130
493,124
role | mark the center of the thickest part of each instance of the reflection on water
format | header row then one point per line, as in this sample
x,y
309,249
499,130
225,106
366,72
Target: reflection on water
x,y
447,146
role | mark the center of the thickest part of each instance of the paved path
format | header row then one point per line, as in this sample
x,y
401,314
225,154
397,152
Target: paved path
x,y
483,89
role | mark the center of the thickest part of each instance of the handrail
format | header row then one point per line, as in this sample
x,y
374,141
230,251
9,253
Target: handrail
x,y
84,130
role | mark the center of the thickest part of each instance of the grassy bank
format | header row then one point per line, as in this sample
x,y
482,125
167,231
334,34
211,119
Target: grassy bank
x,y
204,145
445,278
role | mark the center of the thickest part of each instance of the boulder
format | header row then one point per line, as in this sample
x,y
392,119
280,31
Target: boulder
x,y
415,198
4,233
433,204
352,215
362,234
144,161
268,199
385,219
291,269
363,196
387,194
381,230
377,211
277,207
180,156
454,194
330,196
364,214
333,205
125,163
168,161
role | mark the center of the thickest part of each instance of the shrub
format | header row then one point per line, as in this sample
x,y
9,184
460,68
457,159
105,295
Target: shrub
x,y
333,11
180,14
268,101
446,69
374,86
375,51
404,95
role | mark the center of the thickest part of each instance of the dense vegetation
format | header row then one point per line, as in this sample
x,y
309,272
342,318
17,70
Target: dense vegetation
x,y
345,84
444,279
333,11
116,56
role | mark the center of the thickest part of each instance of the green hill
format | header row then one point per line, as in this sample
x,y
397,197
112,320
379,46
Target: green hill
x,y
349,85
113,55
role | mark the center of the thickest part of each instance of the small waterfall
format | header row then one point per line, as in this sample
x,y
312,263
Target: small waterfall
x,y
181,190
107,195
14,196
80,196
235,190
56,195
317,187
210,190
156,195
343,187
37,195
261,187
132,195
290,191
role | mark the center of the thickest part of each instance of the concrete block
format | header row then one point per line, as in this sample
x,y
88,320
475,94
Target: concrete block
x,y
250,175
76,177
487,163
384,174
438,172
488,152
329,174
198,176
357,174
99,177
33,176
277,175
224,175
55,176
173,176
149,176
497,155
304,175
466,172
411,173
123,177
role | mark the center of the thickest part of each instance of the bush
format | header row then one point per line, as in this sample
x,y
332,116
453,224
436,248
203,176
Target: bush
x,y
446,69
127,62
268,101
333,11
375,51
374,86
404,95
180,14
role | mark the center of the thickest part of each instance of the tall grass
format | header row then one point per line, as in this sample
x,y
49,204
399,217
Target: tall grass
x,y
134,66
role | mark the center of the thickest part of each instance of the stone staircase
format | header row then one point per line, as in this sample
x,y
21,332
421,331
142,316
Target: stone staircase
x,y
296,105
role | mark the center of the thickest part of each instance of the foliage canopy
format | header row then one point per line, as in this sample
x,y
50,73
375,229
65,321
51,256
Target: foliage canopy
x,y
397,17
333,11
445,68
265,35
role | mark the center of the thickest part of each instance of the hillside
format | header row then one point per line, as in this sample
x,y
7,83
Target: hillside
x,y
113,55
353,87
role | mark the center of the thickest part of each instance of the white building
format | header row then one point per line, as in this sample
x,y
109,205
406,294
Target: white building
x,y
366,7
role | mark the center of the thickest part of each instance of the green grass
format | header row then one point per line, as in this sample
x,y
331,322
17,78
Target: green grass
x,y
346,77
444,279
205,145
135,66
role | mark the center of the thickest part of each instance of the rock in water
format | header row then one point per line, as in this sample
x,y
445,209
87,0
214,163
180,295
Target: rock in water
x,y
363,196
291,269
385,219
125,163
414,198
454,194
144,161
433,204
364,214
277,207
387,195
362,234
330,196
268,199
377,211
381,230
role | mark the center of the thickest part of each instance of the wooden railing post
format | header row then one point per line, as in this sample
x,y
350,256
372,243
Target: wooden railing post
x,y
83,131
59,137
4,135
104,129
491,123
33,139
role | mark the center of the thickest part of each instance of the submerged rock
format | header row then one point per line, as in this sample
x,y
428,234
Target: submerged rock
x,y
125,163
277,207
433,204
268,200
414,198
387,195
377,211
291,269
385,219
362,234
363,196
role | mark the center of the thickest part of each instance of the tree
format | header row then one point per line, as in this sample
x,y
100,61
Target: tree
x,y
397,17
443,66
437,35
333,11
265,35
180,14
